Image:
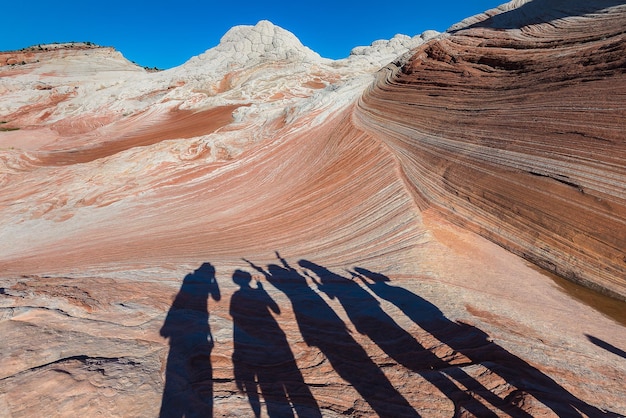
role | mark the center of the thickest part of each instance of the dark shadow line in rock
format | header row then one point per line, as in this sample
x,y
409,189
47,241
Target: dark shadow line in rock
x,y
608,347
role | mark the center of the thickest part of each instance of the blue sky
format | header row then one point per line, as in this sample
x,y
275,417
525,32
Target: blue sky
x,y
166,33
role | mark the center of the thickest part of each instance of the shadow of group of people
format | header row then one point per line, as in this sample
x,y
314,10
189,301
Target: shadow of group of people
x,y
265,369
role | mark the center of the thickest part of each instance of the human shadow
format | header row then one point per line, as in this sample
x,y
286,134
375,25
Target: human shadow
x,y
188,388
321,327
476,346
542,11
368,317
608,347
262,358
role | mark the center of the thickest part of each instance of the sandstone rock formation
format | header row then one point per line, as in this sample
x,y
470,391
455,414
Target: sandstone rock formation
x,y
520,134
264,231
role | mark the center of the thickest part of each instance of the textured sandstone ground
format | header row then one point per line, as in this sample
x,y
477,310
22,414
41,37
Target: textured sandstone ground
x,y
321,217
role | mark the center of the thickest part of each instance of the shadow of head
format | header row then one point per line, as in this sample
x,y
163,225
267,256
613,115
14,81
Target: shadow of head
x,y
201,282
325,275
375,277
608,347
205,271
242,278
284,277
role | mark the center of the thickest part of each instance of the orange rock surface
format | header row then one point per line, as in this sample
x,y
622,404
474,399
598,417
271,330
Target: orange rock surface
x,y
264,232
518,135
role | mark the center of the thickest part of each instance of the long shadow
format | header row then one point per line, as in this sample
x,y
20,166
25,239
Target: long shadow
x,y
608,347
370,319
542,11
262,358
475,345
321,327
188,388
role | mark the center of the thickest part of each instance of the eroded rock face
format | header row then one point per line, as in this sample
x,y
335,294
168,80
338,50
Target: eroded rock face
x,y
519,133
247,234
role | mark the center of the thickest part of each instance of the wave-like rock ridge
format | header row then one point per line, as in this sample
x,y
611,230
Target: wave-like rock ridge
x,y
291,233
518,133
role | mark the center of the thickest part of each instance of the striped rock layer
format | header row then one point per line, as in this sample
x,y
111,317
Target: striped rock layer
x,y
262,231
513,126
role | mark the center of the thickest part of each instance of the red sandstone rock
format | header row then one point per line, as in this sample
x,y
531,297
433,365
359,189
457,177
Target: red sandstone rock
x,y
519,135
134,204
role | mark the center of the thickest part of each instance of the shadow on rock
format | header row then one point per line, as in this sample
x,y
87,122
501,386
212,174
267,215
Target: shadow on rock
x,y
263,361
608,347
368,317
479,349
188,388
321,327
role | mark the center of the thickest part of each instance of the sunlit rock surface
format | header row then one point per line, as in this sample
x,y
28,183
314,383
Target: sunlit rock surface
x,y
265,231
516,130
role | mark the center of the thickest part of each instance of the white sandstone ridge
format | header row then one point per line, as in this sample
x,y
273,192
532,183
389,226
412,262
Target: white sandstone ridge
x,y
260,64
383,51
243,45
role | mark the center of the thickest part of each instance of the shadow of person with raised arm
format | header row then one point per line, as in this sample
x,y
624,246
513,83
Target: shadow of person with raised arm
x,y
188,388
321,327
368,317
262,358
475,345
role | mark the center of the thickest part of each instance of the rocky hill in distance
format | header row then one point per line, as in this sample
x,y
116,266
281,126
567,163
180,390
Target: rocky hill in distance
x,y
371,236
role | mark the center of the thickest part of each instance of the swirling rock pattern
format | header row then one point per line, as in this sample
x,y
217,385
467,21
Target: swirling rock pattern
x,y
139,209
513,126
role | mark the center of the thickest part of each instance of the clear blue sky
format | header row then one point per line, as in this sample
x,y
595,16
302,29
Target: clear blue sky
x,y
167,33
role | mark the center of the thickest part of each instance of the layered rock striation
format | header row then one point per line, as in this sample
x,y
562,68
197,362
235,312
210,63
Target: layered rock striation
x,y
518,134
262,231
